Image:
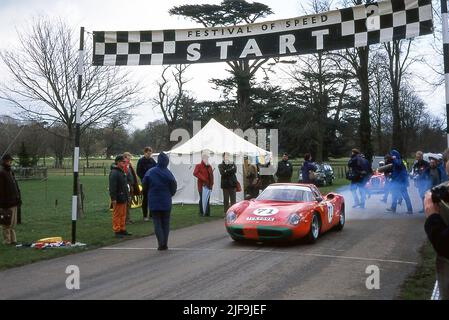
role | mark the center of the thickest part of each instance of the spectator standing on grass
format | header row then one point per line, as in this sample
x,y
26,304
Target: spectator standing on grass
x,y
161,186
228,170
119,193
133,184
10,199
438,234
143,165
205,175
285,170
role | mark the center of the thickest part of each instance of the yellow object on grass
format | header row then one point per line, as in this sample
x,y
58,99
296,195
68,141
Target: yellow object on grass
x,y
50,240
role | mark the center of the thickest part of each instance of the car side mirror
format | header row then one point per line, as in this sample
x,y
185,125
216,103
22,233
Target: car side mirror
x,y
319,199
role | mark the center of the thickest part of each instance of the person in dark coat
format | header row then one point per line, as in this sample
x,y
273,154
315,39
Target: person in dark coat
x,y
10,198
399,183
367,172
143,165
161,186
438,234
119,193
228,170
355,175
306,168
205,175
285,170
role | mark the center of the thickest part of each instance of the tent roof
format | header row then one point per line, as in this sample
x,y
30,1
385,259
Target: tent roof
x,y
218,139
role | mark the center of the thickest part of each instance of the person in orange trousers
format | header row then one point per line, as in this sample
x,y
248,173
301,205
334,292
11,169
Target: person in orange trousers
x,y
119,193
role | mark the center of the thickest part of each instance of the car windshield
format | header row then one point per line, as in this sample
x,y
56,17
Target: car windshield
x,y
287,194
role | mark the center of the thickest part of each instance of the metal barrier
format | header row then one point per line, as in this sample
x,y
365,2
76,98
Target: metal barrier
x,y
36,173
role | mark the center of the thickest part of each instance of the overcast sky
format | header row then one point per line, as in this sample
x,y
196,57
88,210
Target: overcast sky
x,y
149,15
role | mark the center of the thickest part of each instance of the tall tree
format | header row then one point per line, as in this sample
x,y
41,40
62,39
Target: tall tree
x,y
173,101
399,60
43,73
232,12
359,59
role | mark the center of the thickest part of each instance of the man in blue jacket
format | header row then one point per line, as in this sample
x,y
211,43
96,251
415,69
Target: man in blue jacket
x,y
307,167
161,186
399,183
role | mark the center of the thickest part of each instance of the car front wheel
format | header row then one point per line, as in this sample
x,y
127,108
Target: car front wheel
x,y
342,221
314,232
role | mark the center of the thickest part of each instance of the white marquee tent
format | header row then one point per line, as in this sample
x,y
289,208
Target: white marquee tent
x,y
215,139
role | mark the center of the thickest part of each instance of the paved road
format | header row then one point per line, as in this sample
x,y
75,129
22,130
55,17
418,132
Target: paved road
x,y
204,263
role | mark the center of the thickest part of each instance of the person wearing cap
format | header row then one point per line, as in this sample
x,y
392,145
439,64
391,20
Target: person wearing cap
x,y
10,198
119,193
284,171
354,174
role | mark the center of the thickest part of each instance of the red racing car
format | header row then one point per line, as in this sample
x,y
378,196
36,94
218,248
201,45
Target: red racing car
x,y
286,211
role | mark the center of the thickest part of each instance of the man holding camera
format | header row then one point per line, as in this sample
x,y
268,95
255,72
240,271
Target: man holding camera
x,y
437,230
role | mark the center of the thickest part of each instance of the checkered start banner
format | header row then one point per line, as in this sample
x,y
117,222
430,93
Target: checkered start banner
x,y
346,28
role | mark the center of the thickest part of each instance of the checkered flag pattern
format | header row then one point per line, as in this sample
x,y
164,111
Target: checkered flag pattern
x,y
133,47
357,26
389,20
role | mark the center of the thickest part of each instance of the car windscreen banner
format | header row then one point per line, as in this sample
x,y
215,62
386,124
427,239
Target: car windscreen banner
x,y
357,26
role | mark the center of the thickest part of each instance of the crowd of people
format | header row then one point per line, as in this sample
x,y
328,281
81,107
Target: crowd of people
x,y
424,175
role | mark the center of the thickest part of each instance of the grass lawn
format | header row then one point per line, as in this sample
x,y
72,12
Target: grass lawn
x,y
419,286
46,212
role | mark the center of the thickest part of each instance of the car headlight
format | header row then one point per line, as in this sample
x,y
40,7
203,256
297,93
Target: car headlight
x,y
294,219
231,217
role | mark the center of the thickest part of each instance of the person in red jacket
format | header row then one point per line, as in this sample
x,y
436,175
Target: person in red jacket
x,y
204,172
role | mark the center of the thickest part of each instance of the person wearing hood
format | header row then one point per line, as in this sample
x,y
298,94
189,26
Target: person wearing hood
x,y
205,175
161,187
10,199
399,180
